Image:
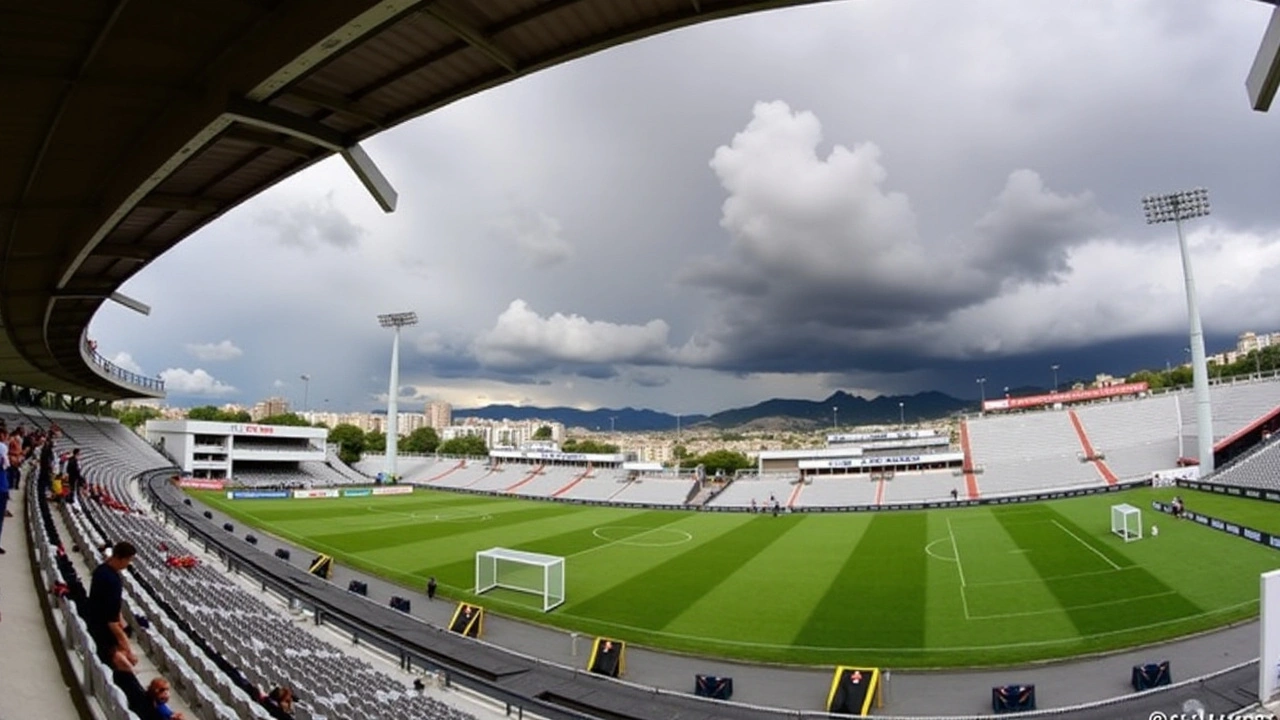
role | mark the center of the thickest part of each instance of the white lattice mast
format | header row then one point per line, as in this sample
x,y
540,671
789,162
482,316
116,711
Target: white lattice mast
x,y
394,321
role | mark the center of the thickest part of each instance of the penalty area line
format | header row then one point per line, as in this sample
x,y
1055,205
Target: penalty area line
x,y
1095,550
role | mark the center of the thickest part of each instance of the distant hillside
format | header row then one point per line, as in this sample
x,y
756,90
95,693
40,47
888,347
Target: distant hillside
x,y
775,413
851,409
623,419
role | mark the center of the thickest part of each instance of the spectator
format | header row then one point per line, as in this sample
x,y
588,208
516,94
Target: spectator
x,y
105,618
158,694
15,457
281,699
74,475
4,489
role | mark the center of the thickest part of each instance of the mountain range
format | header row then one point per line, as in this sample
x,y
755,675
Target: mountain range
x,y
849,410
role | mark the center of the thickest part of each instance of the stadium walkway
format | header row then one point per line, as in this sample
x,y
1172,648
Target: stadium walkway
x,y
31,680
923,693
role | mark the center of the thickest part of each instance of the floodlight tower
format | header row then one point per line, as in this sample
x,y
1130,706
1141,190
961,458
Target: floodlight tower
x,y
1176,207
394,321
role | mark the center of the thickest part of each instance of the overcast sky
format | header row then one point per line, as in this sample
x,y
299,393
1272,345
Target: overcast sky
x,y
879,196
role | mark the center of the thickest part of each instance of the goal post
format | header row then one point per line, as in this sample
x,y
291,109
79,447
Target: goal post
x,y
522,571
1126,521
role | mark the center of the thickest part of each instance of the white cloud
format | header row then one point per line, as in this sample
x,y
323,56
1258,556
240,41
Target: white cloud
x,y
212,352
522,338
537,236
180,382
277,383
125,361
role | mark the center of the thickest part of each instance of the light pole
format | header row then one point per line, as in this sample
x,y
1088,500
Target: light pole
x,y
306,391
982,389
612,418
1054,368
902,415
395,321
1176,207
835,418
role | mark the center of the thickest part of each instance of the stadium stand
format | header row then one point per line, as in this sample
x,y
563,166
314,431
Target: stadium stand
x,y
648,489
1026,452
210,631
918,486
760,488
1136,436
1259,469
838,491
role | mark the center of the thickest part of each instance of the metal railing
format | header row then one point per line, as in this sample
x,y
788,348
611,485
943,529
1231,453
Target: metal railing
x,y
153,384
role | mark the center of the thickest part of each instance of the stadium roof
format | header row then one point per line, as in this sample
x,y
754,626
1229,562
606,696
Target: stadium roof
x,y
131,124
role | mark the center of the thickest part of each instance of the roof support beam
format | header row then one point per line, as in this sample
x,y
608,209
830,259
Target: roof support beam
x,y
1264,76
371,177
273,119
275,141
474,36
126,252
337,104
277,120
180,203
137,306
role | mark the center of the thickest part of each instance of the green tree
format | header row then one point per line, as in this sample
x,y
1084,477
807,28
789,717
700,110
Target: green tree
x,y
134,416
542,433
290,419
472,445
375,441
350,442
680,452
726,461
204,412
588,446
211,413
422,440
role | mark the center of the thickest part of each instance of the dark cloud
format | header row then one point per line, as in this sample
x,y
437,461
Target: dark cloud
x,y
940,194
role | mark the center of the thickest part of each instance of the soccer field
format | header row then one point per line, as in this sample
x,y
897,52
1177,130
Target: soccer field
x,y
965,587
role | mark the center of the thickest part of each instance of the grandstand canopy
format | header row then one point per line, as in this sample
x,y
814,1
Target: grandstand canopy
x,y
131,124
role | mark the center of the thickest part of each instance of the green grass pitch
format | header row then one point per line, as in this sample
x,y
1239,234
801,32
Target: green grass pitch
x,y
979,586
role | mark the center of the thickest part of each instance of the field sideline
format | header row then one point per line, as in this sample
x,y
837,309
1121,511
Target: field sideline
x,y
980,586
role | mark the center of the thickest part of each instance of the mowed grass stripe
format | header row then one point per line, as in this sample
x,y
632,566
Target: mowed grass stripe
x,y
773,592
460,573
1096,603
317,509
655,597
410,533
878,598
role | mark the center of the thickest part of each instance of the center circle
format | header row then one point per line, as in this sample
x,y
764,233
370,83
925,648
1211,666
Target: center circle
x,y
637,536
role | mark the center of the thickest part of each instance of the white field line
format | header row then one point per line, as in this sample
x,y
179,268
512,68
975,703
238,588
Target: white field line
x,y
1052,578
1080,540
955,548
1030,613
629,538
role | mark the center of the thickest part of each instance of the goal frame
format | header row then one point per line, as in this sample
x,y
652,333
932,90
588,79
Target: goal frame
x,y
1121,516
489,564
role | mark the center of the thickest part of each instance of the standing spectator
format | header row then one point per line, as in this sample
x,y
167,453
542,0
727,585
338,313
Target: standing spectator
x,y
4,487
105,619
15,458
74,475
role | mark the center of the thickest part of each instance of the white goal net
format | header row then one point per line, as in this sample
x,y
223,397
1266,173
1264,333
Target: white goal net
x,y
529,572
1126,521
